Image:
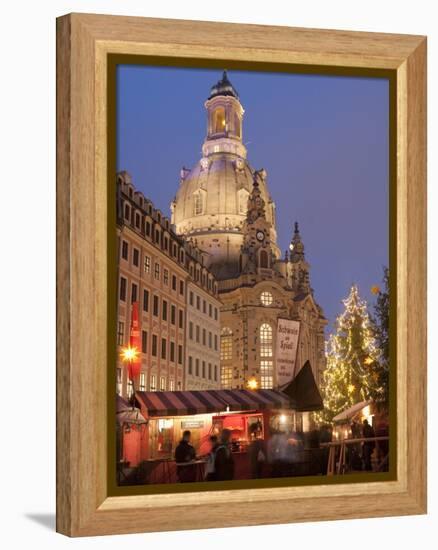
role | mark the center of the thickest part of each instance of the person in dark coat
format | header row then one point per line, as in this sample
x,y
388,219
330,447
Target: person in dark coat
x,y
185,452
368,446
224,461
257,457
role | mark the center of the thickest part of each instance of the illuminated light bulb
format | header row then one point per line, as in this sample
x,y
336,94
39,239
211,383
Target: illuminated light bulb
x,y
129,354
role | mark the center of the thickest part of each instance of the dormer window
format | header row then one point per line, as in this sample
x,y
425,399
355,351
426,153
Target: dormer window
x,y
198,203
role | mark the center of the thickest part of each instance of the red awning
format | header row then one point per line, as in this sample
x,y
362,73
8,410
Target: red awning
x,y
180,403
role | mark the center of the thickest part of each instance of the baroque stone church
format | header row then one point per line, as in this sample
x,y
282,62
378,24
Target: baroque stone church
x,y
224,208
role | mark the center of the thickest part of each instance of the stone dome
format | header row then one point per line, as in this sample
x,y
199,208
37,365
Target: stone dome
x,y
210,205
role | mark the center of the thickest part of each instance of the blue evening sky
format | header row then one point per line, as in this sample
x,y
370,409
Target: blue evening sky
x,y
323,141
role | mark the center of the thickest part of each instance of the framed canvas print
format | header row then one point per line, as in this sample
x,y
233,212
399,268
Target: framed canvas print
x,y
241,274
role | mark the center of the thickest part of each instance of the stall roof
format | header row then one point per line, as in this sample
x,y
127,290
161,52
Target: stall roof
x,y
304,391
126,413
176,403
350,412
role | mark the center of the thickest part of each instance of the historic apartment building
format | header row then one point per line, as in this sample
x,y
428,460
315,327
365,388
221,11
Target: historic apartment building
x,y
160,271
224,205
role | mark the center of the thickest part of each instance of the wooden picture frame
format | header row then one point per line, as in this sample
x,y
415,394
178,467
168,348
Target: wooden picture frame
x,y
83,45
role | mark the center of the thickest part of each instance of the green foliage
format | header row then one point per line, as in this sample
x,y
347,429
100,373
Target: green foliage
x,y
380,321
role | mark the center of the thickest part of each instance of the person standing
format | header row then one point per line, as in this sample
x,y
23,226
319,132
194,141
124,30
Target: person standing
x,y
257,457
224,462
184,453
210,470
368,446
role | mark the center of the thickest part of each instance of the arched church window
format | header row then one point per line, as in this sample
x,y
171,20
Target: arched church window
x,y
264,262
237,125
219,120
226,344
266,298
199,204
266,357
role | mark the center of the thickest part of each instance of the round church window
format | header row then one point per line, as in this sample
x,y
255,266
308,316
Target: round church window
x,y
266,298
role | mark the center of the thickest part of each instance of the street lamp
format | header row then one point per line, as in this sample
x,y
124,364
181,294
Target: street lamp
x,y
129,355
252,384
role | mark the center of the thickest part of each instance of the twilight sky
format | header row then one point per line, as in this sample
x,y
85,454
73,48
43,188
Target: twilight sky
x,y
323,141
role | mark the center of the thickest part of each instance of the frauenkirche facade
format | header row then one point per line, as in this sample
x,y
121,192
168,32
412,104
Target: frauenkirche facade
x,y
224,208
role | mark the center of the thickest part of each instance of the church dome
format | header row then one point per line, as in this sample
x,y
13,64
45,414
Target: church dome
x,y
211,203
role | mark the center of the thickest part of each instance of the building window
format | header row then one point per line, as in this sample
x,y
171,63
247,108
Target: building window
x,y
209,371
264,262
215,313
180,354
210,340
156,306
164,311
144,341
173,282
198,303
147,264
197,367
124,250
191,298
157,271
198,203
122,289
181,318
210,310
153,386
172,352
136,257
227,377
145,300
119,381
266,298
137,219
190,364
215,373
198,332
173,315
142,384
215,342
154,344
172,384
203,369
266,361
226,344
191,330
120,332
219,120
166,276
204,306
134,289
181,288
162,383
126,212
163,348
204,337
148,229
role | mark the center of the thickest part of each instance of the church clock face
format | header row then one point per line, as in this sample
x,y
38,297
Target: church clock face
x,y
260,235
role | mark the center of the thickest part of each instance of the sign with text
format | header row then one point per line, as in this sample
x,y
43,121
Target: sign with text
x,y
288,332
192,424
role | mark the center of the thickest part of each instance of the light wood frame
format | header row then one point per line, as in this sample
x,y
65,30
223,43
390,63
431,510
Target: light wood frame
x,y
83,505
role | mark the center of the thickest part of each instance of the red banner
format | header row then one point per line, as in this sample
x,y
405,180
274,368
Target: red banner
x,y
134,365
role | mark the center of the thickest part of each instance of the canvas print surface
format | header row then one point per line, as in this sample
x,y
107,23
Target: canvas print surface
x,y
253,276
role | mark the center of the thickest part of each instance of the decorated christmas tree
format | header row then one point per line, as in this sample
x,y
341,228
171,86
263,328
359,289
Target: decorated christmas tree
x,y
351,353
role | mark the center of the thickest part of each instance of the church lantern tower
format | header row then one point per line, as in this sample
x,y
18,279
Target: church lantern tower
x,y
211,202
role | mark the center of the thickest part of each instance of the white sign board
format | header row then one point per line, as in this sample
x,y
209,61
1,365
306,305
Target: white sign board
x,y
288,332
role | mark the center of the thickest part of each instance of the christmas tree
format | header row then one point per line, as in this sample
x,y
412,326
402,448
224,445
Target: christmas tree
x,y
381,330
351,355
